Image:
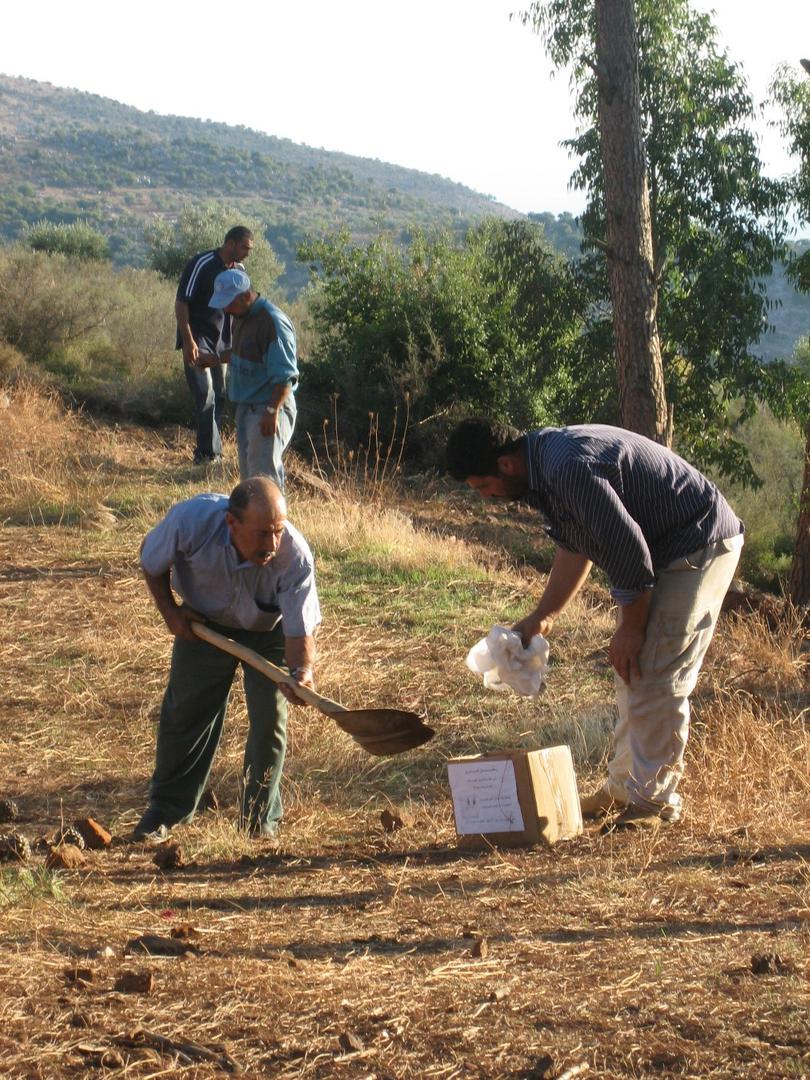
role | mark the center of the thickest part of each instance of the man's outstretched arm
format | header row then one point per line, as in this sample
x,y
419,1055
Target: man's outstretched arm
x,y
566,577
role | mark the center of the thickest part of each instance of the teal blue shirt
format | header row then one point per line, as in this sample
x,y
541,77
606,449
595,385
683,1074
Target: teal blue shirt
x,y
263,354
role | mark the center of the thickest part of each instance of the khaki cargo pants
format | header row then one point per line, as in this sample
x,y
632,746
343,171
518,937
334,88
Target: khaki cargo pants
x,y
653,724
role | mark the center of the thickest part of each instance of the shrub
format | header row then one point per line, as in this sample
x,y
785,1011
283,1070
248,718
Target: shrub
x,y
76,240
104,336
449,327
172,244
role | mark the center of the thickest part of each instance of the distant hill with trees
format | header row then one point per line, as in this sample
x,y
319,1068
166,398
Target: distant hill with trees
x,y
68,156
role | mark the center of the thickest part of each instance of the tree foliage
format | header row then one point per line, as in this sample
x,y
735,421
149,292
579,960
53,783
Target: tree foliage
x,y
200,227
708,198
76,240
793,95
481,325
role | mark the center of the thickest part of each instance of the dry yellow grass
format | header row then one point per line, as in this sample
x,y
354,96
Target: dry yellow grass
x,y
349,951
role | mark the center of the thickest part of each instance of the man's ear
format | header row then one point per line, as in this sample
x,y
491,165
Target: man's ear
x,y
507,465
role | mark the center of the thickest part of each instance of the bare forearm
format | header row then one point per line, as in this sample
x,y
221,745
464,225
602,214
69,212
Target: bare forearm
x,y
299,652
161,590
628,641
178,617
634,616
278,395
181,313
566,577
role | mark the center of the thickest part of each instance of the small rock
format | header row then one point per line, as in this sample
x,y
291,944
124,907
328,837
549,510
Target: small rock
x,y
391,820
350,1043
771,964
155,945
99,517
540,1069
135,982
185,932
479,948
95,836
76,974
168,856
65,857
9,811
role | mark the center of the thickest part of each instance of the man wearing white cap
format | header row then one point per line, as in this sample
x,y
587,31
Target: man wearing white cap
x,y
263,375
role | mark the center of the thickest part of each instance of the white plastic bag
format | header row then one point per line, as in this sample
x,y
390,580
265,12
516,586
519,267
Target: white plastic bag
x,y
504,663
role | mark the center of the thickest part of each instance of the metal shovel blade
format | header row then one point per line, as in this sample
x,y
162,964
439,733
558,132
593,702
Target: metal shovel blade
x,y
384,731
396,742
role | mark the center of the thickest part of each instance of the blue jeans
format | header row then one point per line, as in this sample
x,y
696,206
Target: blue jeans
x,y
258,454
191,720
208,388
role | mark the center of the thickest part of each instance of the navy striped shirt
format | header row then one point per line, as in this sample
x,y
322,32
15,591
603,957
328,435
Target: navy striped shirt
x,y
628,504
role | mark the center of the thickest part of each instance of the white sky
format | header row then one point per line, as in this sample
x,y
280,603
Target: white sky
x,y
447,86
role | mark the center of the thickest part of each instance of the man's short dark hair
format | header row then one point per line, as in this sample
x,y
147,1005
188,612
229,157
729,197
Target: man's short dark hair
x,y
237,233
474,447
246,491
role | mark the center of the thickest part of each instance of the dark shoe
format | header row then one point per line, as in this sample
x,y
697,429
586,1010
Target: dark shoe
x,y
265,830
639,818
599,804
151,827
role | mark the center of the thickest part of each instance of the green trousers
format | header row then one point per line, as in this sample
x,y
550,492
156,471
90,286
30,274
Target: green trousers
x,y
191,720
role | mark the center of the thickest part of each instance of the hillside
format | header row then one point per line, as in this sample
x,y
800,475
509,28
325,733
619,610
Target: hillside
x,y
67,154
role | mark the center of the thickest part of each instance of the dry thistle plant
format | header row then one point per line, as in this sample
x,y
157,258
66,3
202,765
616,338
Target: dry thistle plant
x,y
369,471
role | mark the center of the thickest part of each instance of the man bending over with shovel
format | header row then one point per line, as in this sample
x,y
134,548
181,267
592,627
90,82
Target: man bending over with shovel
x,y
669,544
241,567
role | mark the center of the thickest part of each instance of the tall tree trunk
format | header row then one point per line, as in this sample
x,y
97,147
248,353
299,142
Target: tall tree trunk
x,y
799,589
629,229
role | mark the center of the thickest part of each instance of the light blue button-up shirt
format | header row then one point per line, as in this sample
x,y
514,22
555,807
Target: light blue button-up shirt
x,y
194,543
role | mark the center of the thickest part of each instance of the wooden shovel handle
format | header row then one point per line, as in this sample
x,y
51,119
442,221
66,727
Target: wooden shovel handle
x,y
249,656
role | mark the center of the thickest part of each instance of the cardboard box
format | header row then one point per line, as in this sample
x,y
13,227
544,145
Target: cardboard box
x,y
515,798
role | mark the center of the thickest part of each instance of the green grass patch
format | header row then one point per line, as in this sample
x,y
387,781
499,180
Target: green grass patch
x,y
21,885
423,598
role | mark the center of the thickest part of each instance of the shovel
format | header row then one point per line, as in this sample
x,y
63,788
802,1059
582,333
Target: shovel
x,y
378,731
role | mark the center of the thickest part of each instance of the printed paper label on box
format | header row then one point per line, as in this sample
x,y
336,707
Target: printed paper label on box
x,y
485,798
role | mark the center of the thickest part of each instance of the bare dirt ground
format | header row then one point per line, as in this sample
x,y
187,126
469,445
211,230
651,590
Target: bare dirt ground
x,y
346,950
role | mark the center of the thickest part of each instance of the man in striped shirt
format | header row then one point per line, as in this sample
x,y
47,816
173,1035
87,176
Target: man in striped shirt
x,y
203,333
669,544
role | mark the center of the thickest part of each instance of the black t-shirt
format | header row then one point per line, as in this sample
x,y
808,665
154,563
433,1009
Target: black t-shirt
x,y
195,289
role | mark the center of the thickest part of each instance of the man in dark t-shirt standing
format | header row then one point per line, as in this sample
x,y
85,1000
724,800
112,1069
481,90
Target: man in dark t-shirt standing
x,y
204,332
